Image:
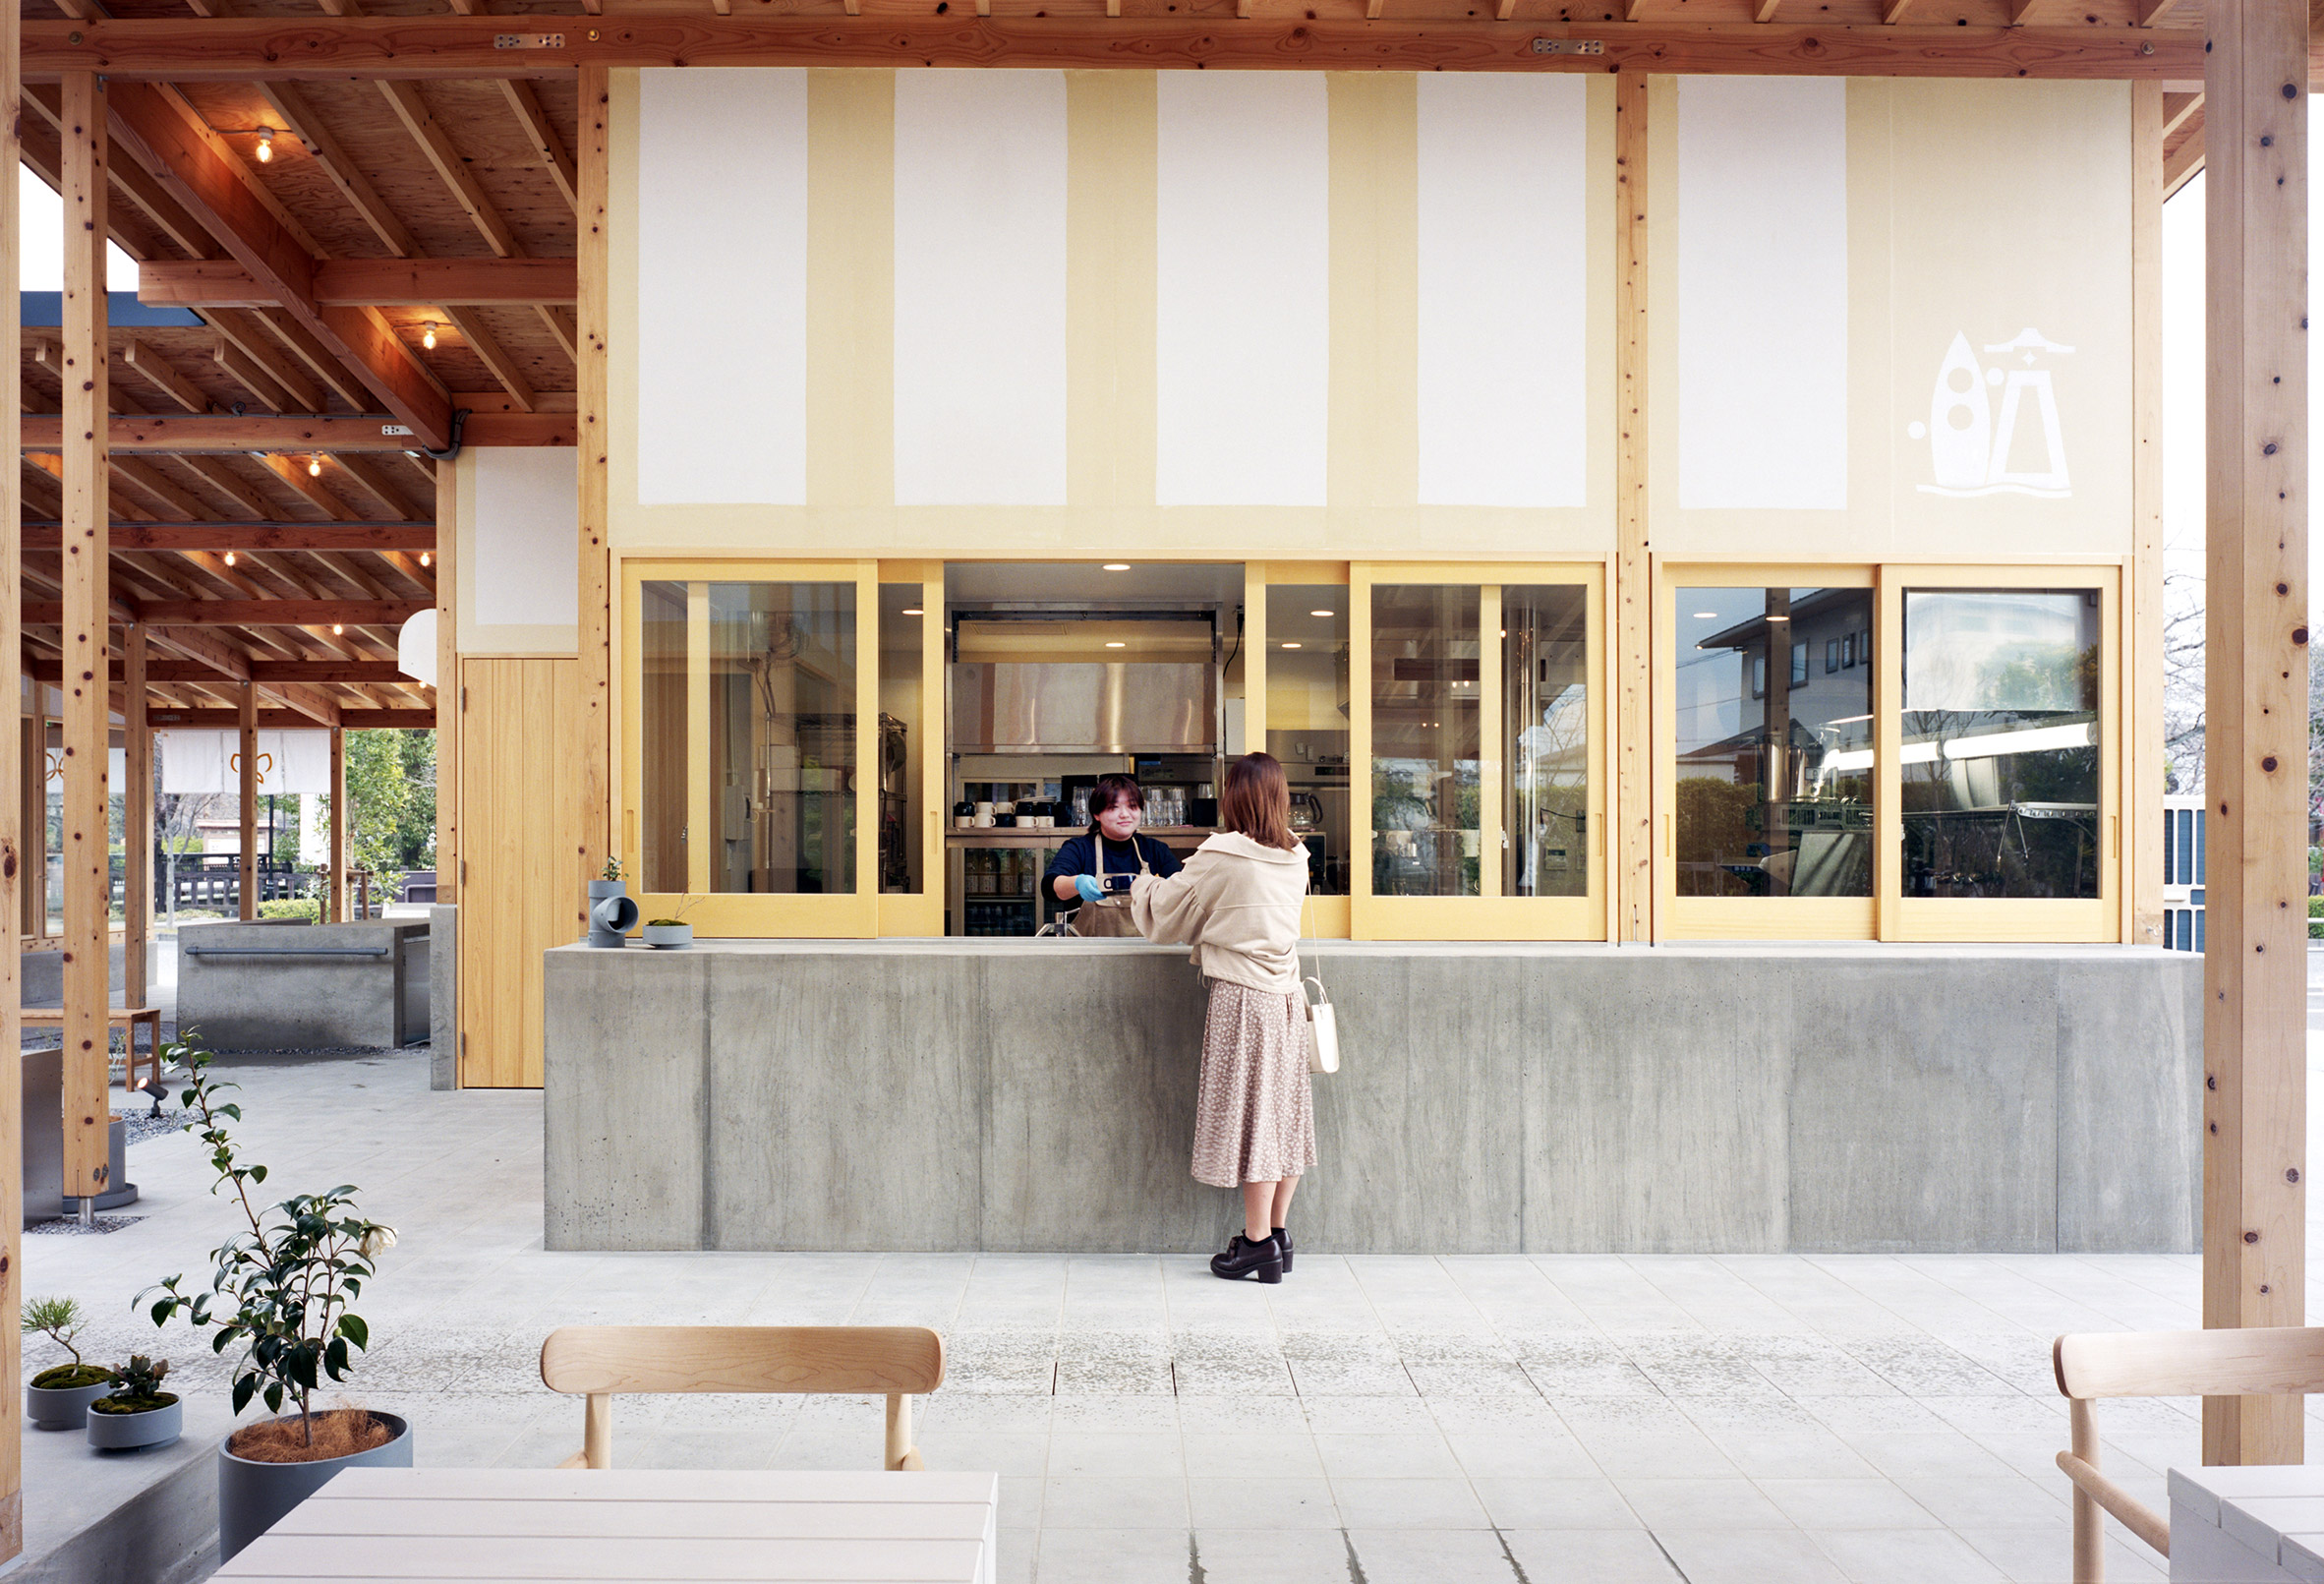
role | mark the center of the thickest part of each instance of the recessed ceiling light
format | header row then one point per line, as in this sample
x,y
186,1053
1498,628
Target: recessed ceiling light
x,y
1291,646
1115,643
1706,615
1117,567
1319,612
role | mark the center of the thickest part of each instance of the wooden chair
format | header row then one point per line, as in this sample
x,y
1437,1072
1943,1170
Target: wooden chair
x,y
900,1361
2256,1362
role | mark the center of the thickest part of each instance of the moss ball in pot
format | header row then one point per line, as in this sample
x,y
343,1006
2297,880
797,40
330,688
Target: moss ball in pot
x,y
669,932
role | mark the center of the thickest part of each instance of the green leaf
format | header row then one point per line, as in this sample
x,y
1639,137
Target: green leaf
x,y
163,1309
257,1174
244,1386
354,1329
274,1396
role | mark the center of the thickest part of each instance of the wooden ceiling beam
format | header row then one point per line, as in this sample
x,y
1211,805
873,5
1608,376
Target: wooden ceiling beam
x,y
213,186
141,475
299,672
292,471
314,356
535,120
250,613
377,538
436,144
493,356
401,283
371,479
418,49
374,720
245,372
300,432
299,119
259,347
163,376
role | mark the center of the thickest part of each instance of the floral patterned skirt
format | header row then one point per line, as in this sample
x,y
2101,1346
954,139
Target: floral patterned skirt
x,y
1255,1115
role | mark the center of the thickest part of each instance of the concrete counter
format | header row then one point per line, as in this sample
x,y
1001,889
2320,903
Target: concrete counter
x,y
291,985
1038,1095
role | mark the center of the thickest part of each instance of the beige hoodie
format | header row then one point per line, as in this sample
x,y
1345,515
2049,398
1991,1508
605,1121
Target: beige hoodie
x,y
1237,902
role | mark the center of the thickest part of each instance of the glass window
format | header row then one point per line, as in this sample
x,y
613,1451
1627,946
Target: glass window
x,y
1427,838
1998,768
1308,721
1545,716
661,760
783,738
1773,795
903,716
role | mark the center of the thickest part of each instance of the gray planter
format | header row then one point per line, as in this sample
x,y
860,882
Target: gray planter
x,y
122,1433
612,915
254,1497
48,1408
672,936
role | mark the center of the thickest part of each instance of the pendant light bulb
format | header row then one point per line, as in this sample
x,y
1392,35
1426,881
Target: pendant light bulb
x,y
229,557
266,146
428,336
315,466
427,558
338,628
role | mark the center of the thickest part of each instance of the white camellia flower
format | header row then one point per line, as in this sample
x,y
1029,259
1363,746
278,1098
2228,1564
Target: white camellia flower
x,y
378,1242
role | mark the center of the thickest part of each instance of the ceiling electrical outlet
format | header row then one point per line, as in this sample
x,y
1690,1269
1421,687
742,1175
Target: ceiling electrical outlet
x,y
528,41
396,429
1569,46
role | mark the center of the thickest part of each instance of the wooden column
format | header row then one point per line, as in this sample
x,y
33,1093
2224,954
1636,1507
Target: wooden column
x,y
88,862
137,818
448,694
592,751
341,817
1631,851
246,864
2142,826
31,810
14,879
2255,75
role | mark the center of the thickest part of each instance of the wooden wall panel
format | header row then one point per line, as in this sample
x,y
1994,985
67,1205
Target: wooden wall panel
x,y
519,835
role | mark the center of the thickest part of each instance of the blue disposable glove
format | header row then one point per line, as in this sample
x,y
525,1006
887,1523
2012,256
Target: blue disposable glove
x,y
1087,886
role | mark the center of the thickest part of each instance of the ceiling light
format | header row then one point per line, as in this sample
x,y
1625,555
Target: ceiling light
x,y
427,558
266,146
1115,643
1319,612
229,557
1291,646
315,466
1117,567
1779,619
337,629
1706,615
428,336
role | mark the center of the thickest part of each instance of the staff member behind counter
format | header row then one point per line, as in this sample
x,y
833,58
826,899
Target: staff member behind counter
x,y
1098,865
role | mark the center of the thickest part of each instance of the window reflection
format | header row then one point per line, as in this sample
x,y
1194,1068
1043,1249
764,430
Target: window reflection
x,y
1308,721
1545,713
1775,741
783,736
2001,738
1427,841
662,712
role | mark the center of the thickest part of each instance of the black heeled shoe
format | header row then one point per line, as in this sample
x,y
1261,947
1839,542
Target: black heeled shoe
x,y
1244,1257
1282,1242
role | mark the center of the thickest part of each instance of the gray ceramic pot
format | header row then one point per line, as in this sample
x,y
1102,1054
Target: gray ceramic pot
x,y
46,1408
670,935
121,1433
253,1497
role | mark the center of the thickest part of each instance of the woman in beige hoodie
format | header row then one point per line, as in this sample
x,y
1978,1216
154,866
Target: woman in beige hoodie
x,y
1237,902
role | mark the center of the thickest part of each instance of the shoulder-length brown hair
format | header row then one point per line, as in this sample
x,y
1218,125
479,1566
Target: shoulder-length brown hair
x,y
1258,802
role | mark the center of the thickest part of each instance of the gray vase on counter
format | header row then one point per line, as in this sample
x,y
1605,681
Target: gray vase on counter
x,y
612,915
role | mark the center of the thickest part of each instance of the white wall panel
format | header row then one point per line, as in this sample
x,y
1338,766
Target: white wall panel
x,y
524,536
1243,314
1762,292
721,241
980,288
1504,295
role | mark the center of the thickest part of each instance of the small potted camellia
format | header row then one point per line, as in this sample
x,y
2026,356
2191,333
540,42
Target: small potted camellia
x,y
138,1413
281,1289
672,932
58,1398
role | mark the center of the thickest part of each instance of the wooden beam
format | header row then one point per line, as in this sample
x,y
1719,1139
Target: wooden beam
x,y
494,356
1764,11
246,765
213,190
1892,12
449,699
285,672
137,818
314,356
215,474
2177,109
2152,12
252,337
359,282
436,145
418,48
2255,701
143,476
292,470
371,479
299,432
260,536
87,855
337,903
228,661
246,372
251,613
593,746
15,847
537,127
380,720
1633,848
165,377
346,173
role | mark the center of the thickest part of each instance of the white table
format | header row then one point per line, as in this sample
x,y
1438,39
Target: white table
x,y
548,1526
2259,1525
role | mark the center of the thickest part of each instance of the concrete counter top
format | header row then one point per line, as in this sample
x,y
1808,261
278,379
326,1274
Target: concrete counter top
x,y
993,1094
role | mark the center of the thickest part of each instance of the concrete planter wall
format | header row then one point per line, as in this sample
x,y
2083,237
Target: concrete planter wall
x,y
291,986
254,1497
122,1433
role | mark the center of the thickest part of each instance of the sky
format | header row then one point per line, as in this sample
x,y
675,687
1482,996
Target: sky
x,y
40,249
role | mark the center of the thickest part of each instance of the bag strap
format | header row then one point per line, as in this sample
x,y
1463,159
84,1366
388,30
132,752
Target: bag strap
x,y
1307,908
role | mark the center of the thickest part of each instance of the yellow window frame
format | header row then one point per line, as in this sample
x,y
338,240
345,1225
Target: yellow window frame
x,y
1324,918
1488,915
921,912
2000,918
845,916
1677,918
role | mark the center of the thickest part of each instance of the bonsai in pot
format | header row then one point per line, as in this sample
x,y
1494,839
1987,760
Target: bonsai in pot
x,y
138,1413
58,1398
672,932
281,1289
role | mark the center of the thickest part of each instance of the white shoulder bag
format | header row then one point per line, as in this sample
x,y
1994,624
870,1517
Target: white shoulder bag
x,y
1323,1029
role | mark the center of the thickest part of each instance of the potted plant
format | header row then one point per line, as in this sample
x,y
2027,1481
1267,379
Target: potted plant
x,y
138,1413
672,932
281,1289
608,883
58,1398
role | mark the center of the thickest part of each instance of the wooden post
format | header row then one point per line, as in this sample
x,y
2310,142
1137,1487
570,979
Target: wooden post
x,y
137,818
88,861
31,811
2142,826
340,816
2255,72
593,749
246,864
1632,851
447,696
13,881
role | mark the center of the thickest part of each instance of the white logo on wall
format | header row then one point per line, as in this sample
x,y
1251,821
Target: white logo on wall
x,y
1970,450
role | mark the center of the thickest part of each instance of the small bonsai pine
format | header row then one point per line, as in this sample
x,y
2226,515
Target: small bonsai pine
x,y
139,1391
62,1318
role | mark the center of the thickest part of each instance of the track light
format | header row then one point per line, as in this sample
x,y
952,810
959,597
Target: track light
x,y
266,146
315,466
428,336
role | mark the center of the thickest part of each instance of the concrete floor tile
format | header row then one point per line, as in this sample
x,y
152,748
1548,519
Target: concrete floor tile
x,y
1143,1411
1118,1503
1369,1416
1748,1557
1335,1377
1563,1503
999,1452
1907,1556
2008,1503
1681,1503
2044,1554
1522,1454
1409,1503
1873,1503
1387,1456
1812,1454
1088,1556
1681,1455
1141,1453
1949,1455
953,1411
1599,1555
1263,1503
1020,1549
1257,1454
1240,1416
1478,1379
1271,1555
1430,1557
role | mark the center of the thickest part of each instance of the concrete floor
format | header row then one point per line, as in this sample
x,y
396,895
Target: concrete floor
x,y
1377,1418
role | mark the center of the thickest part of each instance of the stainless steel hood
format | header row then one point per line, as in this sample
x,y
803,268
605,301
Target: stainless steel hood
x,y
1060,707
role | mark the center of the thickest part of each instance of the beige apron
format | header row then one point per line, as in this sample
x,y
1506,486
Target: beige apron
x,y
1109,915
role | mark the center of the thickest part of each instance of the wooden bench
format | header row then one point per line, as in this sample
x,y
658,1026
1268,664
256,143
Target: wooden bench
x,y
125,1019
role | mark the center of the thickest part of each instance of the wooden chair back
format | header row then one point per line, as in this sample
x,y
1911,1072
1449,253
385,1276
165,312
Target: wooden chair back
x,y
898,1362
2255,1362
